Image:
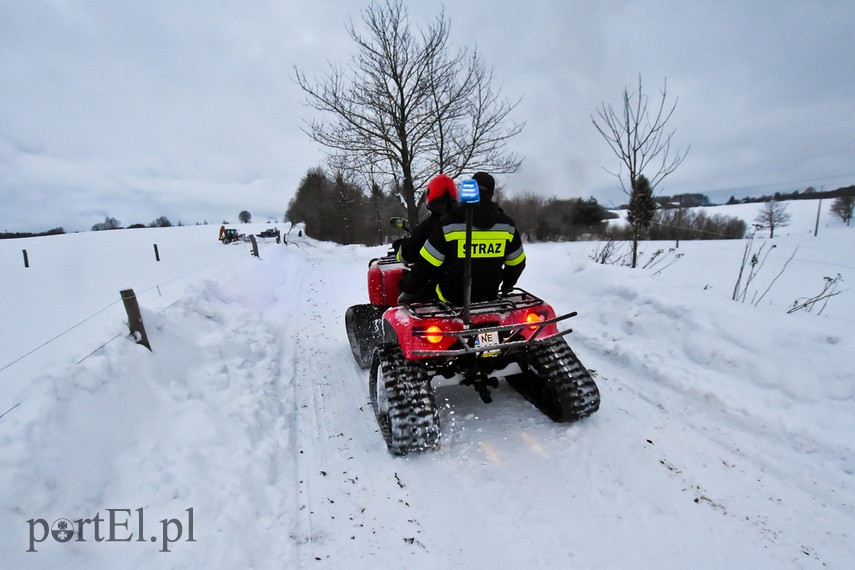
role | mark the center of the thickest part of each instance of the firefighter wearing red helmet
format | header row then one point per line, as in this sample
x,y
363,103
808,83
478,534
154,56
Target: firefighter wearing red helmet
x,y
440,194
440,197
497,254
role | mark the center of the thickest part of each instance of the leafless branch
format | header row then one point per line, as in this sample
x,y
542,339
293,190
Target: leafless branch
x,y
409,106
638,136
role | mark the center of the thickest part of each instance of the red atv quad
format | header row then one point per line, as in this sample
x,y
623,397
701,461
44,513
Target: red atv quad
x,y
515,337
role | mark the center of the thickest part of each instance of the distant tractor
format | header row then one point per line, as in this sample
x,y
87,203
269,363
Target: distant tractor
x,y
229,235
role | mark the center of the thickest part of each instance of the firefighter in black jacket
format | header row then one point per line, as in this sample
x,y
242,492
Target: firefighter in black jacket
x,y
440,197
498,257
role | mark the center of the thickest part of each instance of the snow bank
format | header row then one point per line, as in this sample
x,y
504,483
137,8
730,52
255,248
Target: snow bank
x,y
724,437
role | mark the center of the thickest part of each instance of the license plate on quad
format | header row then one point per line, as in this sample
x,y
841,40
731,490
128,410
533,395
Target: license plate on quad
x,y
487,339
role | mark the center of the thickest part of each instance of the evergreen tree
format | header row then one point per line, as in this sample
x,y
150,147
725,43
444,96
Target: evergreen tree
x,y
640,212
306,205
339,210
588,213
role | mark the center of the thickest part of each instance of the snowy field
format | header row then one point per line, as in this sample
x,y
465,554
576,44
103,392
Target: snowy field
x,y
725,438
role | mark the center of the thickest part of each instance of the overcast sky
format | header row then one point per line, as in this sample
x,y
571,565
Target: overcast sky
x,y
189,110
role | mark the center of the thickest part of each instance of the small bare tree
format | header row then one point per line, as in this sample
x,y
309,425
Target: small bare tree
x,y
408,108
842,207
638,136
109,224
772,214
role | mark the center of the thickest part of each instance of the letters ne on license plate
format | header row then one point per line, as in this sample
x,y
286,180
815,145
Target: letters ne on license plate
x,y
488,339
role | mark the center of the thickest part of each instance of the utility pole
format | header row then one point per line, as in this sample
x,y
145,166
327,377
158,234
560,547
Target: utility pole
x,y
818,210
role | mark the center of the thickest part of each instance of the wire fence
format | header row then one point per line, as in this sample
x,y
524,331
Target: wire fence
x,y
60,335
76,325
219,261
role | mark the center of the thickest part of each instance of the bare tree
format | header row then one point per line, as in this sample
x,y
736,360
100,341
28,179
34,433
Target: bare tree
x,y
527,211
772,214
638,137
245,217
842,207
108,224
408,108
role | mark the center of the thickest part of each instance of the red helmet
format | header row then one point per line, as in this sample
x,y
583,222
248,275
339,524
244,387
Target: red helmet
x,y
439,187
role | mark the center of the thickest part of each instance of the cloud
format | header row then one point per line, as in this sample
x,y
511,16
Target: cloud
x,y
189,109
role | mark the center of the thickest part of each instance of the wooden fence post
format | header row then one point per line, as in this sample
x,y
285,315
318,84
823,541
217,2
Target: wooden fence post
x,y
26,259
134,317
254,245
156,253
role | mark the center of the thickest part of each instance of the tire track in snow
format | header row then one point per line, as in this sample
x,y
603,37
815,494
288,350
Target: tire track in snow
x,y
715,444
301,529
352,505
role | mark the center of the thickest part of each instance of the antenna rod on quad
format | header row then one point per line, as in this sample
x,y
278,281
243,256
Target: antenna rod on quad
x,y
469,196
467,269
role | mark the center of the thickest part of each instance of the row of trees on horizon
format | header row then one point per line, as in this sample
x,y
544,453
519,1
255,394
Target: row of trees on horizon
x,y
339,210
335,209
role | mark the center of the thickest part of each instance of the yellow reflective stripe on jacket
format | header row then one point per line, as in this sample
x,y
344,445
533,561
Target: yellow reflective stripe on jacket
x,y
439,294
431,254
515,258
479,235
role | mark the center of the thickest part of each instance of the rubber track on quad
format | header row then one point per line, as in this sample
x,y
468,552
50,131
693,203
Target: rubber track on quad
x,y
558,384
412,423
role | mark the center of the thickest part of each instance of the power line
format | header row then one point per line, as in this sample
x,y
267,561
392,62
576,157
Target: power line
x,y
10,409
773,184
